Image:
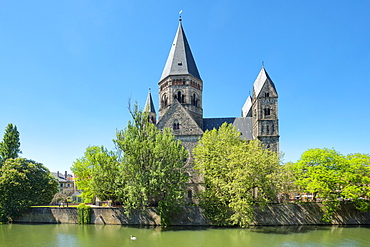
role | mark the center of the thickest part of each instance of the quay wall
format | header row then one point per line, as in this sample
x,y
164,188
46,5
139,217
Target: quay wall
x,y
272,214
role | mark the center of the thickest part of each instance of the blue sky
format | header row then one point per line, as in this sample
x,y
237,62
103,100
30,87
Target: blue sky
x,y
68,68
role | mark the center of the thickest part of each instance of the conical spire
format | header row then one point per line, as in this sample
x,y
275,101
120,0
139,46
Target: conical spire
x,y
149,106
180,61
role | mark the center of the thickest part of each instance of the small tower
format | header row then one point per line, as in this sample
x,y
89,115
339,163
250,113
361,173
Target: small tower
x,y
149,107
265,121
180,81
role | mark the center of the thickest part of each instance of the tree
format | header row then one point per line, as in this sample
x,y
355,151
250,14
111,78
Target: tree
x,y
10,146
331,177
152,166
237,175
24,183
96,174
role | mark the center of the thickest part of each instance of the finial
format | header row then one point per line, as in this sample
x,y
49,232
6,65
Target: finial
x,y
180,19
263,64
149,89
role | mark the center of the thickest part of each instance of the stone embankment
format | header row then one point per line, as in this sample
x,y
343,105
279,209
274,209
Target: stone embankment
x,y
272,214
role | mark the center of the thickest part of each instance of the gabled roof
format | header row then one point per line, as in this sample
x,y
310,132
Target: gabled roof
x,y
242,124
247,108
260,81
178,111
149,103
180,61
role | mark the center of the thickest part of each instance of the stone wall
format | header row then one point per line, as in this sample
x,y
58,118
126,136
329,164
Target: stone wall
x,y
273,214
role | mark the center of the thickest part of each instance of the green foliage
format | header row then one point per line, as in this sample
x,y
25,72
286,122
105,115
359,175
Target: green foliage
x,y
331,176
237,174
96,174
24,183
145,170
10,146
151,166
84,214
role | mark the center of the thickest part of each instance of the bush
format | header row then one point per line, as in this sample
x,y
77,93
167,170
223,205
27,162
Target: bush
x,y
84,214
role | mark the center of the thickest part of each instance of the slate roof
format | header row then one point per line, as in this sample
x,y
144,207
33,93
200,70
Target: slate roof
x,y
247,108
180,61
260,81
242,124
149,103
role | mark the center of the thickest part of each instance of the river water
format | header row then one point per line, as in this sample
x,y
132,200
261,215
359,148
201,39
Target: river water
x,y
113,235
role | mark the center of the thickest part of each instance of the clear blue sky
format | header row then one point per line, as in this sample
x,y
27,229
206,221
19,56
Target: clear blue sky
x,y
68,68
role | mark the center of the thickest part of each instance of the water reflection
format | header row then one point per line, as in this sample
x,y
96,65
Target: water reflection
x,y
116,235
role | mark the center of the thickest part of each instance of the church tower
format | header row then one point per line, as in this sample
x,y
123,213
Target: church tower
x,y
180,82
180,103
265,111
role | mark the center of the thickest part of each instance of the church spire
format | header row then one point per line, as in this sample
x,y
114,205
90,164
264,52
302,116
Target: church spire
x,y
180,61
149,107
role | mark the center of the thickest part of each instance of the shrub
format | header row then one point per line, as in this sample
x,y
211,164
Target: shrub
x,y
84,214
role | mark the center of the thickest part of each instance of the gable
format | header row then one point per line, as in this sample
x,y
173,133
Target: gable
x,y
177,114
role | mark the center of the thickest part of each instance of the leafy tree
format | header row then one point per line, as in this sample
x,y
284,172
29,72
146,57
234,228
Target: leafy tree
x,y
151,166
331,177
24,183
96,174
10,146
237,175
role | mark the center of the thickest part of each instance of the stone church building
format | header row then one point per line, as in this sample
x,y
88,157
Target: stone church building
x,y
180,105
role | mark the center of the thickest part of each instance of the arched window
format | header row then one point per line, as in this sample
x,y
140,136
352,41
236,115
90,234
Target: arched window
x,y
176,125
164,100
194,100
180,97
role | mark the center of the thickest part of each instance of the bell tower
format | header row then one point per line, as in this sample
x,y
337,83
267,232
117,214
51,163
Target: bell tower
x,y
180,81
265,121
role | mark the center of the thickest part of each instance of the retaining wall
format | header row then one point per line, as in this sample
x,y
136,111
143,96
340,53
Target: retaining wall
x,y
272,214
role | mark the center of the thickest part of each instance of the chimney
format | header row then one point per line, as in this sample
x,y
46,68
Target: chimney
x,y
65,173
57,174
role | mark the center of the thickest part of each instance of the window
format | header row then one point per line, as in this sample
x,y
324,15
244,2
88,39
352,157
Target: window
x,y
267,94
180,97
194,100
176,125
190,194
267,111
164,100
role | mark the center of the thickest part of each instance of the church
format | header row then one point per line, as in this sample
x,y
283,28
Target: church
x,y
180,105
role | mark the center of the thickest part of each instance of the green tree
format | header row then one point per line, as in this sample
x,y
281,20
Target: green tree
x,y
10,146
331,177
237,175
24,183
152,166
96,174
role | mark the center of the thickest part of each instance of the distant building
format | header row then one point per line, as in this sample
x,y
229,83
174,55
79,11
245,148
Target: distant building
x,y
181,100
66,182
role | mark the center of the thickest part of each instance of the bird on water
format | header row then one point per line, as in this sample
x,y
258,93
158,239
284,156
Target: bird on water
x,y
132,238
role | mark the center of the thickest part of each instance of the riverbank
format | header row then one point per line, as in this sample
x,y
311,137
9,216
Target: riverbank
x,y
273,214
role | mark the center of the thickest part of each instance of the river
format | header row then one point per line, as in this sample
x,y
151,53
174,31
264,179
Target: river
x,y
113,235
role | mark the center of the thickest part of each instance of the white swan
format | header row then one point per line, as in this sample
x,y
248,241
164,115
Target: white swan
x,y
132,238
